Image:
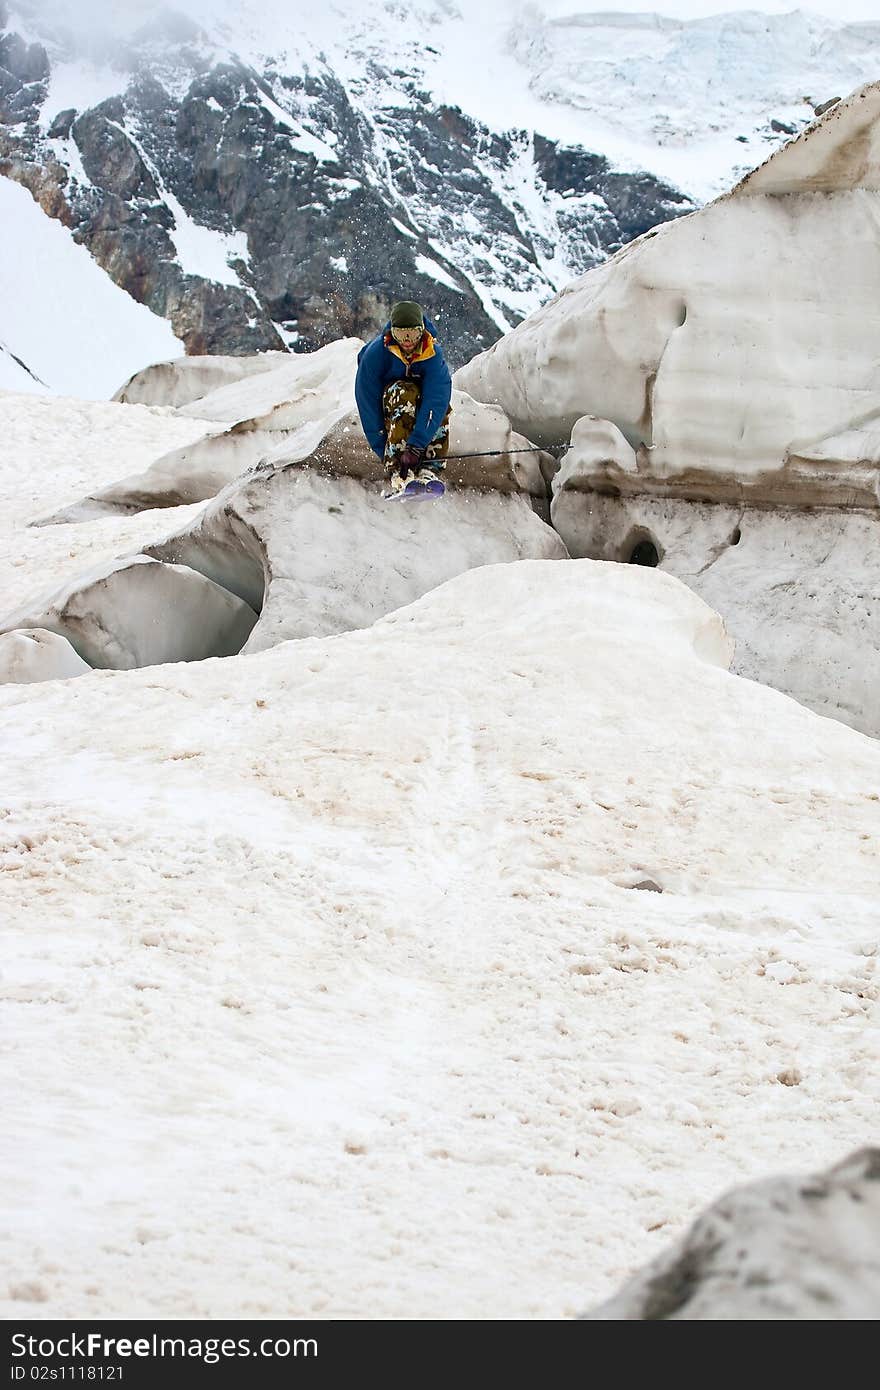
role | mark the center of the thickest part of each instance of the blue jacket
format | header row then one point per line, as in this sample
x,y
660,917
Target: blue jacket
x,y
379,363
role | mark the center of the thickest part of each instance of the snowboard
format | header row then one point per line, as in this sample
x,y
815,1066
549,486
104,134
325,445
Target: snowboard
x,y
416,491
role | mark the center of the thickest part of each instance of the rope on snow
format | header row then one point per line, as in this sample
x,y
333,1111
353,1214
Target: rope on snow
x,y
497,453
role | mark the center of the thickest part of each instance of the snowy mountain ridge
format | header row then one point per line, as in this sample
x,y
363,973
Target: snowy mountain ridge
x,y
649,90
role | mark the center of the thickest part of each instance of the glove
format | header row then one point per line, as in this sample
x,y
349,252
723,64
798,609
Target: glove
x,y
410,459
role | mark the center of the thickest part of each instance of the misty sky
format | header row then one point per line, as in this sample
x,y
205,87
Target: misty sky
x,y
695,9
110,10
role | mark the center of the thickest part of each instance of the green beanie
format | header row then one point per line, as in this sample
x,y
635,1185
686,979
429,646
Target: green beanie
x,y
407,314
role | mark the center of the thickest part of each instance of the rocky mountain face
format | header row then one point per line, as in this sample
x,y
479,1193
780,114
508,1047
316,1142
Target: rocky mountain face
x,y
259,207
266,176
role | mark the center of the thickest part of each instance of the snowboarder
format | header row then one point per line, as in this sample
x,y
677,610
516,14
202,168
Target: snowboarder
x,y
403,389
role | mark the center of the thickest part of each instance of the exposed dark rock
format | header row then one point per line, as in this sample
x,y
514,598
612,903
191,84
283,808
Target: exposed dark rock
x,y
29,62
335,261
24,72
787,1249
636,202
5,352
61,126
781,128
46,183
109,158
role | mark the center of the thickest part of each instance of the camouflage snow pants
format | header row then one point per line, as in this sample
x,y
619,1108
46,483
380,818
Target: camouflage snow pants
x,y
400,402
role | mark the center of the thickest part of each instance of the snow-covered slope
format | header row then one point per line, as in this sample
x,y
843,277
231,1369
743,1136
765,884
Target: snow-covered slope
x,y
337,980
64,326
15,375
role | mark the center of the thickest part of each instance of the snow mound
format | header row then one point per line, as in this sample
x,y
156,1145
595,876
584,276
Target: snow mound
x,y
719,367
52,451
789,1249
138,612
37,655
799,589
190,379
297,388
398,867
320,554
302,411
718,383
310,549
296,400
837,154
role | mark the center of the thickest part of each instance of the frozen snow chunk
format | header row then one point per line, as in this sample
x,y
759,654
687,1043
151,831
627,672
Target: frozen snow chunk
x,y
484,452
297,387
33,654
187,379
304,411
792,1249
799,589
293,399
714,343
139,612
598,452
325,554
835,154
858,445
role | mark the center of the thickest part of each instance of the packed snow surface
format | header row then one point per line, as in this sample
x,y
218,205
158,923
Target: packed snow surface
x,y
51,452
329,985
35,654
73,331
